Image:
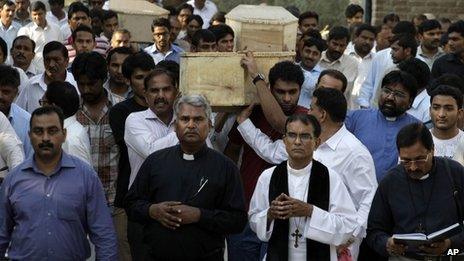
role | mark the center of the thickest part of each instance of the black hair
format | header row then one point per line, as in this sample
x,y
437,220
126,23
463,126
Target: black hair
x,y
286,71
365,27
161,22
171,66
312,33
159,71
405,79
6,2
58,2
185,6
221,30
457,27
334,74
77,7
392,17
24,37
318,43
55,46
428,25
82,28
172,10
406,41
352,9
338,33
120,50
447,90
448,79
47,110
38,5
140,60
404,27
306,119
203,34
413,133
306,15
219,16
294,10
421,17
196,18
418,69
91,64
445,20
96,13
4,49
333,102
63,95
9,76
108,14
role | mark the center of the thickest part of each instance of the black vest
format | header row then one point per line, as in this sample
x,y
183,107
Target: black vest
x,y
318,195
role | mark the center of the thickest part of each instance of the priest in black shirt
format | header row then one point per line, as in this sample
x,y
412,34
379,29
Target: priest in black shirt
x,y
188,196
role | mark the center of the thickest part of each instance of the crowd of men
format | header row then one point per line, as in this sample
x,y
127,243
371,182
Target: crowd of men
x,y
357,140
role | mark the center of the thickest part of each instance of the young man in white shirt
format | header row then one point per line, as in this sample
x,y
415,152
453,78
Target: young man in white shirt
x,y
8,28
57,14
339,150
446,107
204,8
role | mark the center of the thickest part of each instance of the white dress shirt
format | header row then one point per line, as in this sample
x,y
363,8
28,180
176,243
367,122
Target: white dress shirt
x,y
9,34
34,90
342,152
429,60
41,36
206,12
53,19
309,85
364,65
332,227
447,148
145,133
77,141
346,65
420,107
11,147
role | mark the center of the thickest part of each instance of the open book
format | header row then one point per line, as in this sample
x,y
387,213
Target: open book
x,y
416,239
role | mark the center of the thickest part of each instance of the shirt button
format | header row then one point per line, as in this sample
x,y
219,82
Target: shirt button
x,y
49,213
48,195
50,233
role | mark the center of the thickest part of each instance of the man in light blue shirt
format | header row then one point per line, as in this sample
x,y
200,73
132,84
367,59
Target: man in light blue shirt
x,y
52,201
310,55
381,65
18,117
377,128
162,49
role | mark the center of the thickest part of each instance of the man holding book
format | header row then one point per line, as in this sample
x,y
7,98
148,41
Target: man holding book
x,y
423,194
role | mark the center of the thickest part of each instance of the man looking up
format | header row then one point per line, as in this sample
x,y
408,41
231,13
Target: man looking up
x,y
429,35
162,49
446,107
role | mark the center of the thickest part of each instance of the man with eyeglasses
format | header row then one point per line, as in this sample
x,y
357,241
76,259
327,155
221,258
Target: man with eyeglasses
x,y
420,195
162,49
301,207
377,128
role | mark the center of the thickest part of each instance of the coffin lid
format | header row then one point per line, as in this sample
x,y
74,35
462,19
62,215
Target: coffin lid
x,y
258,14
137,7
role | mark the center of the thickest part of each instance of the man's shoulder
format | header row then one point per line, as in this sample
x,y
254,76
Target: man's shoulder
x,y
34,80
136,116
20,112
221,158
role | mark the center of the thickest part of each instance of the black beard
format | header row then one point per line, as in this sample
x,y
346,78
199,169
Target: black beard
x,y
391,112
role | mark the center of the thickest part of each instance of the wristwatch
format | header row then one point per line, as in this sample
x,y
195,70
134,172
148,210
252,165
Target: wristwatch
x,y
259,77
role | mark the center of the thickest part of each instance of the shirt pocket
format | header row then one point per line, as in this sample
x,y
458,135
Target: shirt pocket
x,y
68,207
108,139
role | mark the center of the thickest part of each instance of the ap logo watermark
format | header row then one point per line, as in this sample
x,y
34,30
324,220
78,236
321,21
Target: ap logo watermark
x,y
452,252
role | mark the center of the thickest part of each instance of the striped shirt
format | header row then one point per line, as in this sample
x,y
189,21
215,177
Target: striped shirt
x,y
102,48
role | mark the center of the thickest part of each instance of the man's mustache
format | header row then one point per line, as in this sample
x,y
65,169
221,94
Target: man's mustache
x,y
46,145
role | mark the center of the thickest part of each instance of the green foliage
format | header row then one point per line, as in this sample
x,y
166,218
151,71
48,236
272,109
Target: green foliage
x,y
331,12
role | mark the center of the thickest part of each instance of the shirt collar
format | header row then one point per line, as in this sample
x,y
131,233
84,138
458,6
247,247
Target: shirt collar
x,y
190,157
151,115
419,98
316,68
70,121
335,139
65,162
174,49
299,172
420,52
326,59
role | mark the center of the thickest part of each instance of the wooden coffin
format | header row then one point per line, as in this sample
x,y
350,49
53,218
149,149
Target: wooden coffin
x,y
263,28
220,78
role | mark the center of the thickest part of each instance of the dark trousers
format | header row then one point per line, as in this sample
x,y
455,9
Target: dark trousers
x,y
366,253
139,251
245,246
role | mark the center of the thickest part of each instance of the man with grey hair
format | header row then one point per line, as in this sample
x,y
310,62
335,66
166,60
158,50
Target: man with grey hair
x,y
189,196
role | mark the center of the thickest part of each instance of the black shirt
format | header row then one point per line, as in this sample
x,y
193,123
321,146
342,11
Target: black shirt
x,y
118,115
449,63
209,182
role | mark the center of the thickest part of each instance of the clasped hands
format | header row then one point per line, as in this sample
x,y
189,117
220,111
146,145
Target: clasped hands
x,y
173,214
284,207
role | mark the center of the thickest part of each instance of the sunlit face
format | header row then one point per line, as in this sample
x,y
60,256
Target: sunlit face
x,y
300,142
431,39
160,94
356,19
38,17
192,125
161,37
7,14
120,40
286,94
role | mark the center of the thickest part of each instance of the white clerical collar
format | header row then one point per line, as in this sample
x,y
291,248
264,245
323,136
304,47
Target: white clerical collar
x,y
424,177
186,156
390,118
299,172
